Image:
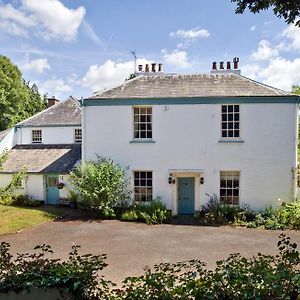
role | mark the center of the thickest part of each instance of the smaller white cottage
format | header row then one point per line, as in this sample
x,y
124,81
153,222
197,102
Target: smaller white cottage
x,y
47,145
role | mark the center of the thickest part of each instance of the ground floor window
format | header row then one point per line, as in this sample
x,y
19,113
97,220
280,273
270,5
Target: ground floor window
x,y
142,186
230,187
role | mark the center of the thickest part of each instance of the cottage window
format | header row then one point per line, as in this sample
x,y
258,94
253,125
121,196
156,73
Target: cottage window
x,y
142,122
229,187
230,121
78,135
37,136
19,183
142,186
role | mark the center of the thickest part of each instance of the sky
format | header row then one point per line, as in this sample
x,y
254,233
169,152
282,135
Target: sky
x,y
77,47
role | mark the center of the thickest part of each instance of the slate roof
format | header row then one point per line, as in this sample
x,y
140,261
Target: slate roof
x,y
57,159
66,112
185,86
4,133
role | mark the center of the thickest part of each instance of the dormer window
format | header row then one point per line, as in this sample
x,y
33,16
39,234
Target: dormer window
x,y
36,135
78,135
142,122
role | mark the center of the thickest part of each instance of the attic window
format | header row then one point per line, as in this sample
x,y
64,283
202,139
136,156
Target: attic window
x,y
78,135
36,136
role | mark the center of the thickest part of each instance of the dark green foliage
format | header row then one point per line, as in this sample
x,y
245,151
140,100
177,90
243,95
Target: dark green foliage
x,y
77,276
289,10
18,200
296,89
18,100
101,184
262,277
154,212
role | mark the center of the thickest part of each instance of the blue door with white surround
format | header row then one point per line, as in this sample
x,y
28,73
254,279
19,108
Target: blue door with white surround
x,y
186,195
52,192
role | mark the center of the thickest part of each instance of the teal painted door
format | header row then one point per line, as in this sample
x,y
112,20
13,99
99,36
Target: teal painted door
x,y
52,192
186,195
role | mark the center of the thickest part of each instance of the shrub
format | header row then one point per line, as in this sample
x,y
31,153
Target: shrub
x,y
77,276
154,212
18,200
101,184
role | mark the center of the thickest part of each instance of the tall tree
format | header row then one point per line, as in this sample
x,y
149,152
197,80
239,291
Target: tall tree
x,y
18,100
296,89
287,9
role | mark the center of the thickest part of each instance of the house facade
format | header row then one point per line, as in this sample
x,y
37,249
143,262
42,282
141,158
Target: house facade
x,y
47,145
188,137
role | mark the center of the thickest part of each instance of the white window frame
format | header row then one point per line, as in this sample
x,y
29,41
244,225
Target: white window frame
x,y
76,135
137,197
22,185
230,187
138,122
37,136
235,123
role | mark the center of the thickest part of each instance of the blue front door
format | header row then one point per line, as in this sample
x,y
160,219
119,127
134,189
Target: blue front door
x,y
186,195
52,192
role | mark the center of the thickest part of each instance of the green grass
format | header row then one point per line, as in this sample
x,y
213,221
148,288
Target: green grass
x,y
13,219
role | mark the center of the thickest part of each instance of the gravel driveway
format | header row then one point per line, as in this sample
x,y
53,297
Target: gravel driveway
x,y
131,246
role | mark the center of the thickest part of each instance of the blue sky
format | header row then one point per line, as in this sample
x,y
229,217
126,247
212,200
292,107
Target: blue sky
x,y
76,47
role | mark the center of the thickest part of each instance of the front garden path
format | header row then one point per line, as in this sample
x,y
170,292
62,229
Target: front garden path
x,y
131,246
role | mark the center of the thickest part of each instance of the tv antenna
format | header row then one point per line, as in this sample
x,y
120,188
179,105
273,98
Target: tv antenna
x,y
133,52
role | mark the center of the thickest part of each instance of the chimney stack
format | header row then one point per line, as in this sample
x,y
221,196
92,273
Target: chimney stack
x,y
222,65
236,63
153,69
52,101
214,65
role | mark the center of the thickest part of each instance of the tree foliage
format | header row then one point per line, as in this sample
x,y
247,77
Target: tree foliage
x,y
18,100
296,89
289,10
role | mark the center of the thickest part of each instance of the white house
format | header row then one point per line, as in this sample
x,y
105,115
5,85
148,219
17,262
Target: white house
x,y
48,145
186,136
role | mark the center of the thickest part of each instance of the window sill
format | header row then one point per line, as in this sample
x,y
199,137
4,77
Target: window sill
x,y
142,142
231,141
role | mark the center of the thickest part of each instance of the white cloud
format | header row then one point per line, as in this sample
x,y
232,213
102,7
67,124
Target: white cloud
x,y
54,87
264,51
37,65
93,35
109,74
49,19
12,28
292,33
192,34
253,28
176,58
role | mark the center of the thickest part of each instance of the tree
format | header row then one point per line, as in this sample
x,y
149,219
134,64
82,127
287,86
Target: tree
x,y
287,9
296,89
18,100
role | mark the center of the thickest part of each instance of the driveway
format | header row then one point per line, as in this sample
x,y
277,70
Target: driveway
x,y
131,246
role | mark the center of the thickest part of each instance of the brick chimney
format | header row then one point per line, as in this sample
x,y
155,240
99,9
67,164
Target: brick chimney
x,y
52,101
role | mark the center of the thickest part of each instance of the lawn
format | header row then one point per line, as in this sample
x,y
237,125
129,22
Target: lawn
x,y
13,219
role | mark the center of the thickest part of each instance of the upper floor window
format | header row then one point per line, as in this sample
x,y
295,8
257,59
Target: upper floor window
x,y
229,187
142,186
36,136
142,122
78,135
230,121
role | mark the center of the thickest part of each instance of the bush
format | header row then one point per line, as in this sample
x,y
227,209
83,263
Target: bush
x,y
18,200
154,212
261,277
101,184
77,276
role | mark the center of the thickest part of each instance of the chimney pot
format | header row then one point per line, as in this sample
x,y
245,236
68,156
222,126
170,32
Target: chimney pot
x,y
160,67
146,68
140,68
236,63
214,65
222,65
228,65
52,101
153,67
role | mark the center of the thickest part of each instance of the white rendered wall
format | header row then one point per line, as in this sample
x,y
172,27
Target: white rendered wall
x,y
9,141
50,135
187,137
34,186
